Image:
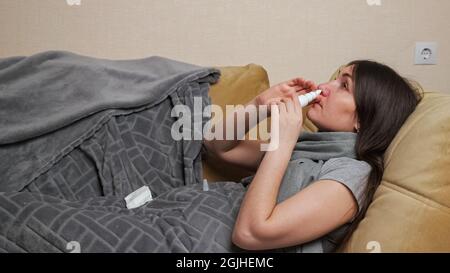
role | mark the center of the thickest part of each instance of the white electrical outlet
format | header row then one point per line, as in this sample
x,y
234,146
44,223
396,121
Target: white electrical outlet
x,y
426,53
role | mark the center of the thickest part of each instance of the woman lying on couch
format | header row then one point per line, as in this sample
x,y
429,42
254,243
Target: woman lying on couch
x,y
316,187
65,181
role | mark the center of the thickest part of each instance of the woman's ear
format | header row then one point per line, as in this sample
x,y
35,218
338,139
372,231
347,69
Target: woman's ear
x,y
356,126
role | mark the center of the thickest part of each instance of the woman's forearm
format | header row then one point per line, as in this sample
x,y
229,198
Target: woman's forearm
x,y
227,143
261,197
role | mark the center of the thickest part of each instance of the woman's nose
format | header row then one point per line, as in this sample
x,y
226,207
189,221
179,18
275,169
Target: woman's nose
x,y
325,90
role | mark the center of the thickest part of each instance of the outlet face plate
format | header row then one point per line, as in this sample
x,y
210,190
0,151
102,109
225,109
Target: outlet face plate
x,y
426,53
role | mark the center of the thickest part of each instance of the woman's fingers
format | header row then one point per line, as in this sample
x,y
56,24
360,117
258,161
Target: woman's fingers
x,y
299,88
293,104
302,84
296,82
282,107
297,106
273,101
289,104
311,85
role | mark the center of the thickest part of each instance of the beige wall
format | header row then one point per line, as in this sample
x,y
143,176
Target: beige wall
x,y
289,38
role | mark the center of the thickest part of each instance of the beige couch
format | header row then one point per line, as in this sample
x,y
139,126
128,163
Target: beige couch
x,y
411,209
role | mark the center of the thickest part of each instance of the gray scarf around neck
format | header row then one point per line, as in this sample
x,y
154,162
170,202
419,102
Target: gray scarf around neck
x,y
310,153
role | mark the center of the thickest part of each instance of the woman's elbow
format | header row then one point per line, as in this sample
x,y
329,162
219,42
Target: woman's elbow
x,y
242,239
246,239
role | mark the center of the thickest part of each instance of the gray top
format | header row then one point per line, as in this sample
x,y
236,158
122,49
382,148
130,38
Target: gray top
x,y
354,175
350,172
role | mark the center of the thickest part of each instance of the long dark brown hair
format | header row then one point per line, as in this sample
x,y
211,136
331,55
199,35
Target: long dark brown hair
x,y
384,101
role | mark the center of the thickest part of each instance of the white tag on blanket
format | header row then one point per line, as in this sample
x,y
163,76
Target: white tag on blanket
x,y
138,198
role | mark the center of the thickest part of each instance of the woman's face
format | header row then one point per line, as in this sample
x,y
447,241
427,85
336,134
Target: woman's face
x,y
335,109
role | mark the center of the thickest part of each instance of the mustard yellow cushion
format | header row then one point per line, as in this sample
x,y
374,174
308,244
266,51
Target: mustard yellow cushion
x,y
411,209
237,86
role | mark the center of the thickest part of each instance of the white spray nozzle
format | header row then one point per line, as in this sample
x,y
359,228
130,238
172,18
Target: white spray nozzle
x,y
306,99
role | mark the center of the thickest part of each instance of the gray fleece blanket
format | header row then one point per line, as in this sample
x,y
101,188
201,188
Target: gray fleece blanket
x,y
53,101
78,134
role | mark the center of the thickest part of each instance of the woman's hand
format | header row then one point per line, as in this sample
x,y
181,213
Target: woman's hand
x,y
284,90
290,119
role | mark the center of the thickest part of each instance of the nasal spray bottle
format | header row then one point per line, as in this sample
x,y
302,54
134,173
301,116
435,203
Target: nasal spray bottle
x,y
306,99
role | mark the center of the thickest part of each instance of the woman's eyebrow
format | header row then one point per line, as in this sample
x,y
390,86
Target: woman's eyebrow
x,y
347,75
